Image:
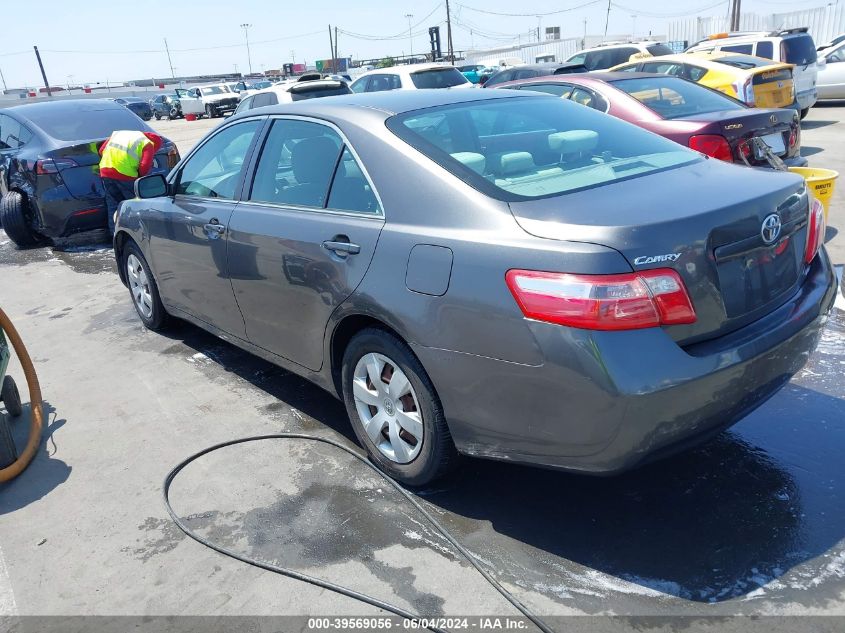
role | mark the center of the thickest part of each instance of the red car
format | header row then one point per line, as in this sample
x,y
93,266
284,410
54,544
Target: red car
x,y
688,113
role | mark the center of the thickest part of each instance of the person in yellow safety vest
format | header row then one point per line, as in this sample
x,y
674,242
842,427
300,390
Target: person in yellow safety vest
x,y
124,157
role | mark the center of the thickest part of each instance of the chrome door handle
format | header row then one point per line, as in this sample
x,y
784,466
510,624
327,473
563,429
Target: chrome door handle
x,y
342,247
214,229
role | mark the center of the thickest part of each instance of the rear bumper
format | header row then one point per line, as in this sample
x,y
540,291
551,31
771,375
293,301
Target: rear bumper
x,y
796,161
806,98
603,402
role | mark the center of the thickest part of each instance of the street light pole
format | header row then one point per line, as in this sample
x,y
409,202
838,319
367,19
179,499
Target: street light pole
x,y
410,35
634,26
246,28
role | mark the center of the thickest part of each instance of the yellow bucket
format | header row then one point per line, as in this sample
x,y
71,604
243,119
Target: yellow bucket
x,y
821,183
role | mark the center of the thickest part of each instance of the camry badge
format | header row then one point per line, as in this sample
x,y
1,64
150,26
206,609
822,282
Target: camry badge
x,y
733,126
771,228
654,259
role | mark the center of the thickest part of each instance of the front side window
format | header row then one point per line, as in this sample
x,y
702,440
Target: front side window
x,y
535,147
359,85
296,164
382,83
215,169
438,78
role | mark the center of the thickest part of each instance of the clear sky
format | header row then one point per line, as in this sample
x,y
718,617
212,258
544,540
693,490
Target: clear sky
x,y
97,40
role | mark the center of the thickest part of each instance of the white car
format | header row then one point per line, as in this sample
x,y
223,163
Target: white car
x,y
831,79
212,100
293,91
411,77
792,46
612,54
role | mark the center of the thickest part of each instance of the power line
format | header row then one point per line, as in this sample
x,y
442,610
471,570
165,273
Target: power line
x,y
654,14
401,35
533,14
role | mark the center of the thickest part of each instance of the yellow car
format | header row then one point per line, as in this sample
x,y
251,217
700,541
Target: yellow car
x,y
755,81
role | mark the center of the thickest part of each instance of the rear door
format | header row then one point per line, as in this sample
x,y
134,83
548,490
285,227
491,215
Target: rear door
x,y
189,231
302,239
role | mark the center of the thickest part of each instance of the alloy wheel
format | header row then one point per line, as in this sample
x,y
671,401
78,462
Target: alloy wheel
x,y
139,285
388,408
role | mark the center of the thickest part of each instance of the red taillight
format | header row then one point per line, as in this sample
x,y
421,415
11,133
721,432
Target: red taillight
x,y
712,145
53,165
815,230
603,302
793,138
172,157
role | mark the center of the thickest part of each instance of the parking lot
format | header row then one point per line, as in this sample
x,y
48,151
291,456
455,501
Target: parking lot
x,y
752,523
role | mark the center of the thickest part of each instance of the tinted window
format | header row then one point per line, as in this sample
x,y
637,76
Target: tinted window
x,y
86,123
438,78
500,77
674,98
745,49
765,49
319,91
628,69
264,99
588,98
659,49
695,73
12,134
665,68
537,147
558,90
359,84
296,164
800,50
215,169
350,189
381,83
608,57
526,74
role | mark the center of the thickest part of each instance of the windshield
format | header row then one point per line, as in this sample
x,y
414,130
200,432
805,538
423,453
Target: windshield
x,y
674,98
799,50
659,49
261,85
212,90
534,147
88,122
438,78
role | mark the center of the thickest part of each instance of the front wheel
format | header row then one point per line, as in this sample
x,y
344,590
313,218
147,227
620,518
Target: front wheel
x,y
143,288
157,116
804,113
210,112
11,397
395,411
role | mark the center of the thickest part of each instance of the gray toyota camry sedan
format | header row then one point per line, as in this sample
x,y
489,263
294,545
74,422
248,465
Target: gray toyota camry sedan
x,y
487,273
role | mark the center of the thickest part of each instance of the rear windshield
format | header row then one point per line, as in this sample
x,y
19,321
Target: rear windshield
x,y
535,147
87,122
659,49
213,90
744,62
674,98
799,50
320,91
438,78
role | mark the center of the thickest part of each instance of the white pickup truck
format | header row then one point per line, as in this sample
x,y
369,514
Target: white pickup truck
x,y
212,101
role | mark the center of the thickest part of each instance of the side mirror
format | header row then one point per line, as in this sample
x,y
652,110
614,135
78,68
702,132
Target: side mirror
x,y
153,186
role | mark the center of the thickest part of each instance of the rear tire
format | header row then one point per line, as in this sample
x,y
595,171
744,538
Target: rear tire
x,y
210,112
411,465
804,113
10,397
157,116
143,288
14,217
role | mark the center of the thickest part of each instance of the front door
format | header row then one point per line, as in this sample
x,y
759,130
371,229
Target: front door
x,y
189,234
302,239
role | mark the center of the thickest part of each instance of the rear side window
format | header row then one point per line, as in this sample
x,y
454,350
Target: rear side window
x,y
745,49
665,68
351,191
765,49
695,73
13,135
214,170
558,90
500,77
245,104
264,99
382,83
526,74
589,99
439,78
88,122
535,147
359,85
799,50
296,164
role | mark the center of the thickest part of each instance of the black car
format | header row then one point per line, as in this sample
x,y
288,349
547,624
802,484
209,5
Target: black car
x,y
49,157
529,71
166,106
138,106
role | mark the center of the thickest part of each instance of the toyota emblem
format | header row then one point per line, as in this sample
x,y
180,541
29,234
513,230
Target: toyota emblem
x,y
771,228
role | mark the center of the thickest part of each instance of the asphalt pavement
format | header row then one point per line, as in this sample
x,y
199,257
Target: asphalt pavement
x,y
752,523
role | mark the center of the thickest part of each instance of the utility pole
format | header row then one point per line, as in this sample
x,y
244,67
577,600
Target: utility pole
x,y
737,14
169,61
43,74
246,28
410,35
607,19
449,33
336,54
584,41
3,80
634,26
331,45
539,20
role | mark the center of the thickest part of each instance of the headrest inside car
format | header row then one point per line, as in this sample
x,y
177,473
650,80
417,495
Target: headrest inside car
x,y
515,163
573,141
476,162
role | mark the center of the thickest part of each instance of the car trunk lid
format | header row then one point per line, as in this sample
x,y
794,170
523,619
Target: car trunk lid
x,y
711,235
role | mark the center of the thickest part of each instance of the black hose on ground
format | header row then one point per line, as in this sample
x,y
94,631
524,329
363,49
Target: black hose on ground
x,y
351,593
